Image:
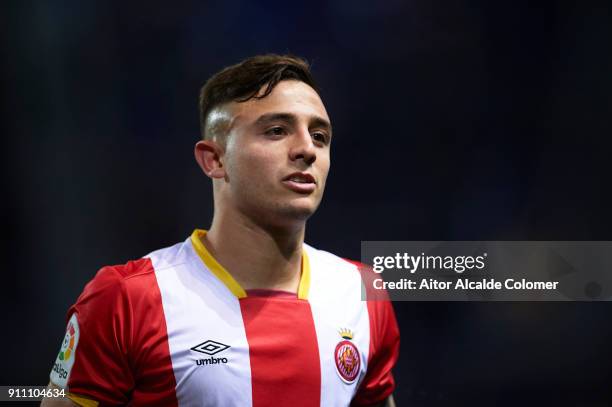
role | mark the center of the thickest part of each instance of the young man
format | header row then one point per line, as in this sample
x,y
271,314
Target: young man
x,y
245,314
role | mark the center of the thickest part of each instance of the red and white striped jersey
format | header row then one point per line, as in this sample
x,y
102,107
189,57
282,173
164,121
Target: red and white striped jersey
x,y
175,329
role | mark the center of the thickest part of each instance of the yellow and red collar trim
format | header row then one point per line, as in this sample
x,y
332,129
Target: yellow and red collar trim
x,y
226,278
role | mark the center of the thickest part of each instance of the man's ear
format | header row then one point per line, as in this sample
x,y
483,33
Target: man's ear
x,y
208,154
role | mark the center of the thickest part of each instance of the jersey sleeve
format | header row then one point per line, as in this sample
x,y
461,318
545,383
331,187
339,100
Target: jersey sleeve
x,y
379,382
93,364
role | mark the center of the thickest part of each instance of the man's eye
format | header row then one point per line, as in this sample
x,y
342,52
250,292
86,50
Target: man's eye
x,y
276,131
320,137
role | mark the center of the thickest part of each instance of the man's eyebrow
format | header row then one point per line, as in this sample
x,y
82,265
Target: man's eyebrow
x,y
315,121
275,117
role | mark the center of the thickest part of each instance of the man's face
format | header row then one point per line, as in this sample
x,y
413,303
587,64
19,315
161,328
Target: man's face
x,y
277,154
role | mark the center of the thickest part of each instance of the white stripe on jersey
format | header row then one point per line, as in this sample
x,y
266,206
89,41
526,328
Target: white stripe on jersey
x,y
335,290
199,307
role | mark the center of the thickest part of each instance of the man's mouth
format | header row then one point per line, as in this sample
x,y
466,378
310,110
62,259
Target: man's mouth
x,y
300,182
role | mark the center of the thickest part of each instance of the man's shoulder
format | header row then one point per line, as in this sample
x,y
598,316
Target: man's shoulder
x,y
332,274
344,272
135,273
327,259
335,261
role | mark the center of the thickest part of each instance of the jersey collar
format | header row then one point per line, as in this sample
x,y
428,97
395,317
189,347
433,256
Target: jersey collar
x,y
226,278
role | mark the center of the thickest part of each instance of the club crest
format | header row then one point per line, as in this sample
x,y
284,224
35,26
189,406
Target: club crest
x,y
347,357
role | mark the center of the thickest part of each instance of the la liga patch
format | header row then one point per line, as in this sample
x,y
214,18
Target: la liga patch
x,y
65,357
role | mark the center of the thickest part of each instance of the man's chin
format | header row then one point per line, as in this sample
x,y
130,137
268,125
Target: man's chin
x,y
285,218
283,213
296,211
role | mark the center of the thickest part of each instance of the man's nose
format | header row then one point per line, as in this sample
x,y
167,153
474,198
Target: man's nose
x,y
303,148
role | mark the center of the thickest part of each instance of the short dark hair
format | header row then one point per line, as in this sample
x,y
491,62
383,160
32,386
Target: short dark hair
x,y
242,82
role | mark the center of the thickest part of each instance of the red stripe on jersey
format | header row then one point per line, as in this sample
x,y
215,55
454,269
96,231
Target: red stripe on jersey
x,y
379,383
156,384
123,353
282,346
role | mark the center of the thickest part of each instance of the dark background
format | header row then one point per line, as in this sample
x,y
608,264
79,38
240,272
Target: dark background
x,y
457,120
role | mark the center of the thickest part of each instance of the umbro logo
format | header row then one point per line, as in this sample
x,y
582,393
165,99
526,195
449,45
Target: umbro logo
x,y
210,348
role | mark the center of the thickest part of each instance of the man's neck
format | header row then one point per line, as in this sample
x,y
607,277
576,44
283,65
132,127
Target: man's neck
x,y
257,256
